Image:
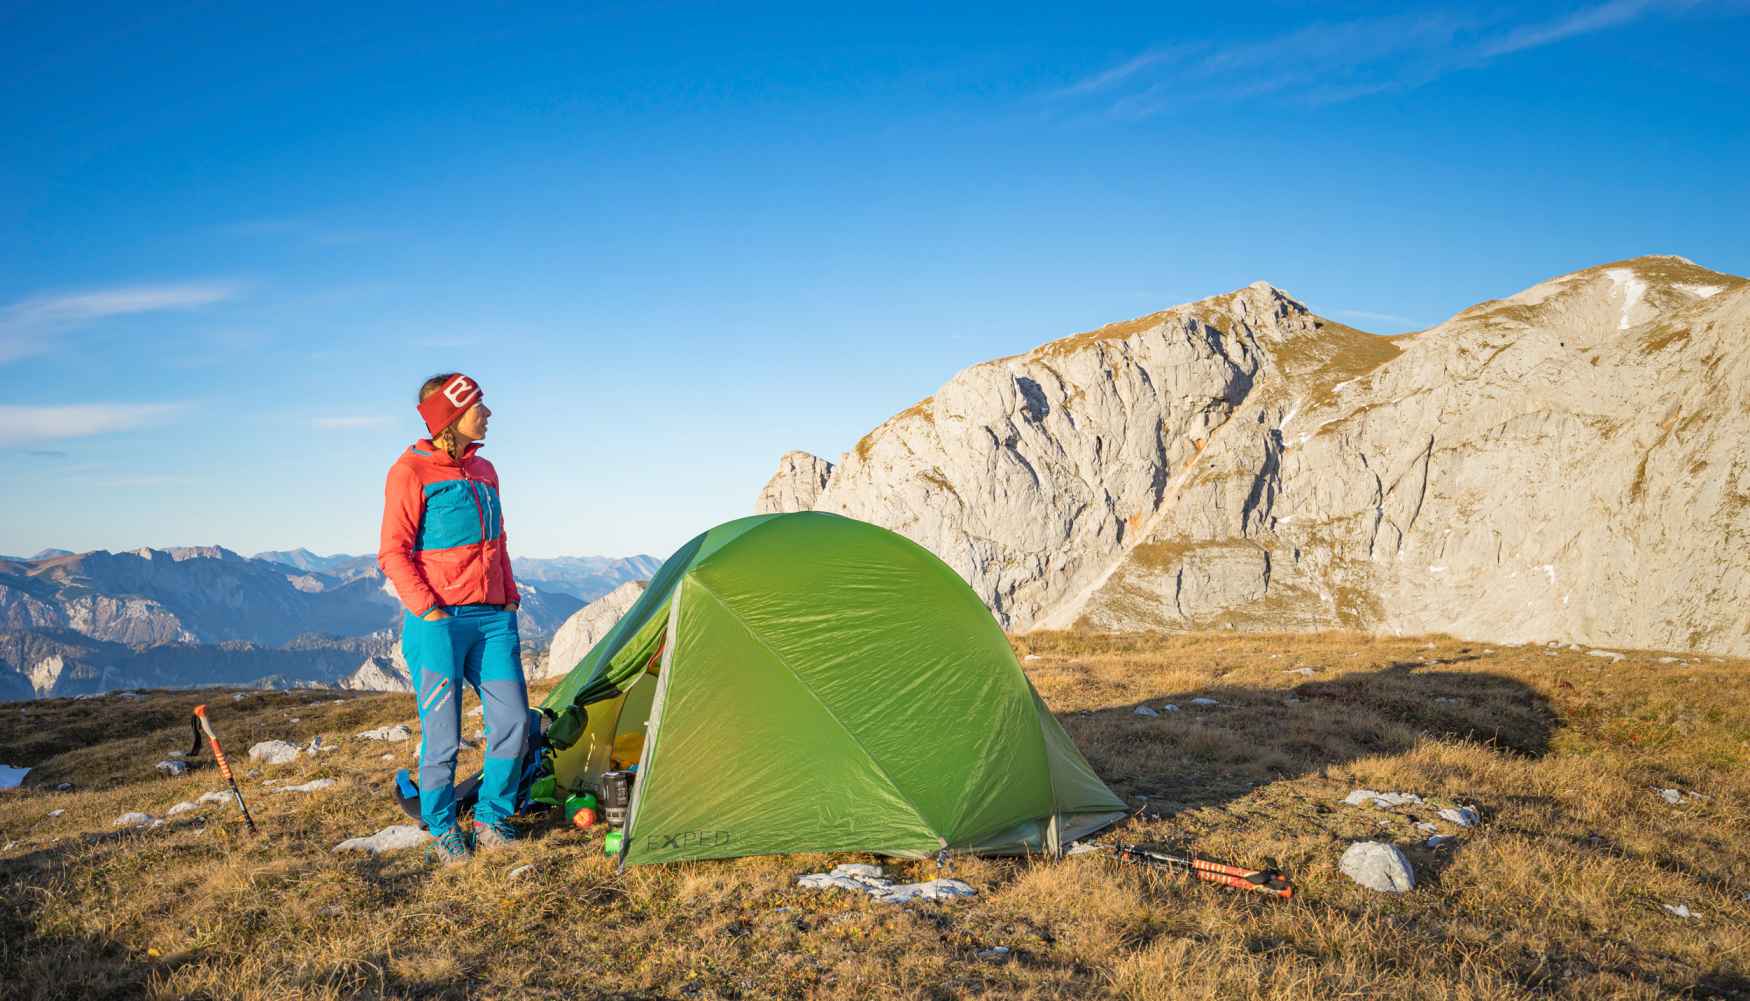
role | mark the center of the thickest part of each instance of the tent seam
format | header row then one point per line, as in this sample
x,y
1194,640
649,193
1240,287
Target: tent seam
x,y
824,708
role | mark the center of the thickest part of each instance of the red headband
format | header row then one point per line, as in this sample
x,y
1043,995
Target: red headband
x,y
441,408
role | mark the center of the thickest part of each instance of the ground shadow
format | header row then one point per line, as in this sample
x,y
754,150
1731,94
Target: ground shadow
x,y
1215,745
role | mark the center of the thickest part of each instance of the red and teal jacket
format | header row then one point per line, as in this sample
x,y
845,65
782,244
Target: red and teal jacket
x,y
443,531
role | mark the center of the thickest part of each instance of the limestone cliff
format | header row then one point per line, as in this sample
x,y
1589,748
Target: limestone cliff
x,y
1565,463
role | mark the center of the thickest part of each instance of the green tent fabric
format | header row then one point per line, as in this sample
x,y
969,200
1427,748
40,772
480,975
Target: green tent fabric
x,y
811,683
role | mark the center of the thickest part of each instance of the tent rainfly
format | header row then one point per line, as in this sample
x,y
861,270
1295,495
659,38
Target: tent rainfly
x,y
812,683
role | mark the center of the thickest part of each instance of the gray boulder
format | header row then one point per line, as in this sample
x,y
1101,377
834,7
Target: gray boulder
x,y
274,752
1378,866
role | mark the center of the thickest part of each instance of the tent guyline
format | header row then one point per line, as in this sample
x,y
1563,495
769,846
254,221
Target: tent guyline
x,y
811,683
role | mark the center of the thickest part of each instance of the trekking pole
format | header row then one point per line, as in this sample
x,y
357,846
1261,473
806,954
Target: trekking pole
x,y
1156,856
202,726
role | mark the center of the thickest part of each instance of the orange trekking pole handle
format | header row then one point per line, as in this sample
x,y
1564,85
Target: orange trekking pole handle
x,y
1267,881
202,726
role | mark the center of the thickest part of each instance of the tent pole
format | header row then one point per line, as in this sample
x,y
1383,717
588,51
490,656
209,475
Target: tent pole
x,y
650,728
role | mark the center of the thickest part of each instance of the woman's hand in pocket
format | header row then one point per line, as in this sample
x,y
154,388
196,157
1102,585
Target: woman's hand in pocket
x,y
435,615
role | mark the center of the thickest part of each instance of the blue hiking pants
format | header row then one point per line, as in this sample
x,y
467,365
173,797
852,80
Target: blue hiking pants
x,y
477,644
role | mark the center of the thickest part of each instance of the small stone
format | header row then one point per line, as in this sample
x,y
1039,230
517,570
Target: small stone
x,y
1426,827
133,820
236,696
1378,866
394,734
519,870
999,953
1030,658
294,719
1300,670
1671,796
1668,660
274,752
56,813
1169,708
64,787
1463,816
1681,910
1612,654
1439,841
318,746
312,786
388,839
171,768
388,757
1203,701
1145,711
219,796
183,807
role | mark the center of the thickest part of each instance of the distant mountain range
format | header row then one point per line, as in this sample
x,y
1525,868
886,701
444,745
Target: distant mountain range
x,y
75,623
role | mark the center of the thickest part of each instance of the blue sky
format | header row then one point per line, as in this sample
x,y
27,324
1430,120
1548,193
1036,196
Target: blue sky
x,y
673,241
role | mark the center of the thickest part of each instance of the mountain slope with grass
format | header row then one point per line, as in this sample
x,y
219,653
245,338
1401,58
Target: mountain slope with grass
x,y
1533,468
1607,860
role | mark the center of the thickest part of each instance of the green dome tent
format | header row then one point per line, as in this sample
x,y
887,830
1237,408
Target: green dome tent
x,y
811,683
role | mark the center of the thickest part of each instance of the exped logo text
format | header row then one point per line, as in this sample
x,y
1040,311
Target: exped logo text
x,y
690,840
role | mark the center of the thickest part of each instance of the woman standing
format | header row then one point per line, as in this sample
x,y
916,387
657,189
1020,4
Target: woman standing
x,y
443,549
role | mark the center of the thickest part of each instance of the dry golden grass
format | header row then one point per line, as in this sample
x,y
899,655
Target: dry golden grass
x,y
1557,893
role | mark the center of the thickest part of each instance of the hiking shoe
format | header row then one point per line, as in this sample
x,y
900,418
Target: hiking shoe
x,y
450,848
491,837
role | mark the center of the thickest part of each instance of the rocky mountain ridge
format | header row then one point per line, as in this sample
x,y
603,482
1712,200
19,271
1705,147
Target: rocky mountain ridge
x,y
1532,468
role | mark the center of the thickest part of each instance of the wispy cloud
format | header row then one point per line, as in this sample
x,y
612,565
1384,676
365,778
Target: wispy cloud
x,y
350,423
1580,22
1334,62
1105,79
30,326
29,425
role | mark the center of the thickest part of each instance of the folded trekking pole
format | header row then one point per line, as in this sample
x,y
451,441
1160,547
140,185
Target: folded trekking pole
x,y
1210,871
202,726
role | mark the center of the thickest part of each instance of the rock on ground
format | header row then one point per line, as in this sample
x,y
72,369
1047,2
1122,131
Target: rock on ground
x,y
1378,866
869,879
1463,816
1145,711
388,839
186,806
171,768
219,796
318,746
311,786
1362,797
394,734
136,820
274,752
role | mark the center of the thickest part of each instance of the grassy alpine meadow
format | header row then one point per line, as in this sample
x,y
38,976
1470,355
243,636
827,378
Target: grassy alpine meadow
x,y
1582,879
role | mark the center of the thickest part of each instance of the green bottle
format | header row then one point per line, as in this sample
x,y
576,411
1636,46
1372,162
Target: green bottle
x,y
611,843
